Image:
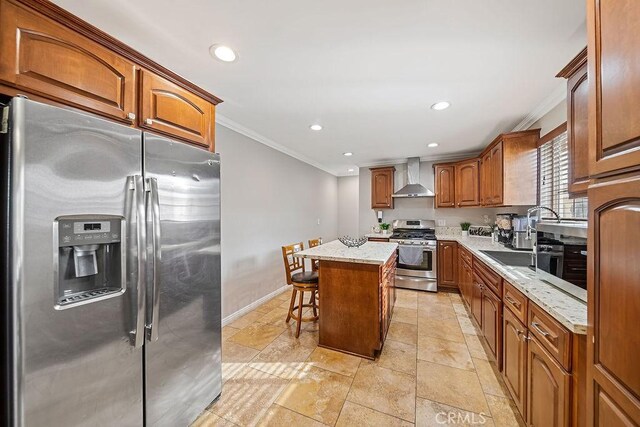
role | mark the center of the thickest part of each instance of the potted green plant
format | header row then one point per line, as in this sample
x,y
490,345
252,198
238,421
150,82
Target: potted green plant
x,y
465,228
384,227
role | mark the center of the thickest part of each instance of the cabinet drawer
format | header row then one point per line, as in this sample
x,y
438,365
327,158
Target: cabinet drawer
x,y
47,59
465,255
551,334
169,109
491,279
377,239
515,301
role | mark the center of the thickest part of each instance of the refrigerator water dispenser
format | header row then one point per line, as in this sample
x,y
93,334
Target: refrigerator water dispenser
x,y
90,259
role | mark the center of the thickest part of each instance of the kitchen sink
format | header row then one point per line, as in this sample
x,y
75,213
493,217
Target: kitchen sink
x,y
515,259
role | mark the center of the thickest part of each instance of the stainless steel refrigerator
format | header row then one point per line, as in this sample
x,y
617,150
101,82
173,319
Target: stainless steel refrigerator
x,y
111,272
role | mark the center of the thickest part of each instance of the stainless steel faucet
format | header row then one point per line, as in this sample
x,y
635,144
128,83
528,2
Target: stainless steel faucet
x,y
533,209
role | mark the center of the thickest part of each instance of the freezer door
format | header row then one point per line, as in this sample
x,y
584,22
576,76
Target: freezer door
x,y
182,353
71,364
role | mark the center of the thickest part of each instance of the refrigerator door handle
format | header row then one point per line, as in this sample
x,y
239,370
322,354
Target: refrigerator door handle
x,y
136,184
152,327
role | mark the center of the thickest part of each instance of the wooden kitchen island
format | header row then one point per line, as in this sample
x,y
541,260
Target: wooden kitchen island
x,y
357,295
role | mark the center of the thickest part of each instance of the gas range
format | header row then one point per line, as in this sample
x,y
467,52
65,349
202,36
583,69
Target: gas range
x,y
414,232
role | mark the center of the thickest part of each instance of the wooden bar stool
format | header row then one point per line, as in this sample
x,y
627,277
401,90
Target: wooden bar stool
x,y
302,281
314,262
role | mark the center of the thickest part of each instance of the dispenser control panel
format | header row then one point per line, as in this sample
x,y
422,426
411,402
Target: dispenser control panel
x,y
74,231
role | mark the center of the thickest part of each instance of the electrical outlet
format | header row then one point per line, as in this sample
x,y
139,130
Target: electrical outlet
x,y
441,222
318,221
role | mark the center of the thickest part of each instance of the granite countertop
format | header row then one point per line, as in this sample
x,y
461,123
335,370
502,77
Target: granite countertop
x,y
369,253
565,308
379,235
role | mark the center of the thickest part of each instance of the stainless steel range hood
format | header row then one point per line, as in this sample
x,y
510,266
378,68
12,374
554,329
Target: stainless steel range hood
x,y
413,187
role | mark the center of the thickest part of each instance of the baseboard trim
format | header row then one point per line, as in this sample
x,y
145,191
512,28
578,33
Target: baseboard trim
x,y
244,310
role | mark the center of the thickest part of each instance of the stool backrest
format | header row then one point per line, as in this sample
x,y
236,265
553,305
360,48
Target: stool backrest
x,y
291,263
315,242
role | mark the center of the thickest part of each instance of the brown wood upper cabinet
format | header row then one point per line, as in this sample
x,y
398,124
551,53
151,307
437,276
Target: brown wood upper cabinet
x,y
509,166
382,187
614,86
467,188
447,263
44,58
445,186
577,123
169,109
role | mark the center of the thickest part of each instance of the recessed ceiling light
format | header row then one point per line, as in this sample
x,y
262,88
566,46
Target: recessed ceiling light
x,y
348,153
440,105
315,127
432,145
350,170
223,53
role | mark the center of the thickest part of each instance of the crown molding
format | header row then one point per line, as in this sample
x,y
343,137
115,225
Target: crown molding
x,y
434,158
557,96
243,130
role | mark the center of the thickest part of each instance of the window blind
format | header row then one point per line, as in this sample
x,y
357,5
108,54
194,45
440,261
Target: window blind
x,y
553,180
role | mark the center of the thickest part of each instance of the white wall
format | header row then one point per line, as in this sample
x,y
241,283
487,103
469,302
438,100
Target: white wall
x,y
554,118
419,208
269,200
348,197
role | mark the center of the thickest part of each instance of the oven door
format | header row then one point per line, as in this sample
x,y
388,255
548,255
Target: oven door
x,y
426,270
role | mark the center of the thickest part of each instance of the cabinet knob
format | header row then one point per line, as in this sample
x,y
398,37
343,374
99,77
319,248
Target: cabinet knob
x,y
131,116
148,122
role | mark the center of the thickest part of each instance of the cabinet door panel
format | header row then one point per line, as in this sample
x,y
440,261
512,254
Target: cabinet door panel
x,y
486,180
497,175
614,90
47,59
445,186
514,359
467,183
174,111
548,389
578,131
476,298
447,263
613,293
382,188
492,323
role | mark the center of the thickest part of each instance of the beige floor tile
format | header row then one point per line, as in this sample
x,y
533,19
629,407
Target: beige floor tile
x,y
403,332
277,416
406,293
504,412
235,357
459,308
285,357
451,386
490,381
398,356
334,361
228,332
475,347
246,320
444,352
247,396
406,303
357,415
319,394
384,390
405,315
447,329
426,298
257,336
430,413
276,317
207,419
467,326
438,311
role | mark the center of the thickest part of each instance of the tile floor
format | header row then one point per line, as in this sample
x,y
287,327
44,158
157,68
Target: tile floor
x,y
433,371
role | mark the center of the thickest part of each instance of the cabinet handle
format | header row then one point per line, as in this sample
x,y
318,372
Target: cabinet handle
x,y
512,301
148,122
537,327
131,116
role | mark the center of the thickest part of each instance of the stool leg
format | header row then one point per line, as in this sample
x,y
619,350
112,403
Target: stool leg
x,y
299,314
291,304
315,307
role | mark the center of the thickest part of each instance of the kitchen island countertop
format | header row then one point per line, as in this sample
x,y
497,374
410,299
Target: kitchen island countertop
x,y
369,253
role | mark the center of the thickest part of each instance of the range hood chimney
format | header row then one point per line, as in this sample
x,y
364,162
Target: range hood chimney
x,y
413,187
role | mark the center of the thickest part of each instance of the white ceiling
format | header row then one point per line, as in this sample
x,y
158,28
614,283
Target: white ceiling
x,y
367,70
